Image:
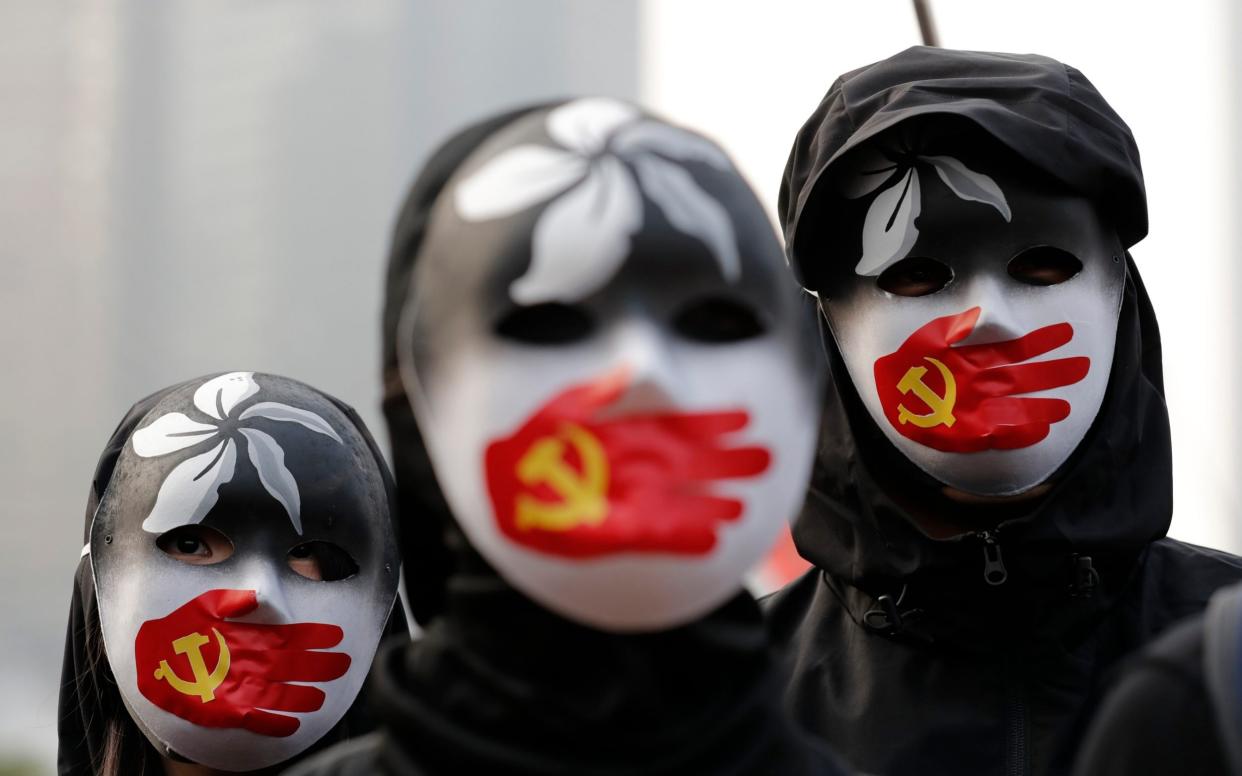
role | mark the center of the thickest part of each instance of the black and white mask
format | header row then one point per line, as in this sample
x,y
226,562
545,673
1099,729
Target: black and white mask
x,y
976,309
245,566
607,358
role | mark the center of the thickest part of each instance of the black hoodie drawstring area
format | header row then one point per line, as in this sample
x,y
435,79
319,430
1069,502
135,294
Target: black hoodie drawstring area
x,y
1086,578
887,617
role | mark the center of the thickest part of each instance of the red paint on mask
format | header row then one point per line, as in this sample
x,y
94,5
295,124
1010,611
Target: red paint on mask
x,y
214,673
966,399
571,484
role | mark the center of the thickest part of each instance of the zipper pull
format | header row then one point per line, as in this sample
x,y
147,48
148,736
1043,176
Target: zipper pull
x,y
994,571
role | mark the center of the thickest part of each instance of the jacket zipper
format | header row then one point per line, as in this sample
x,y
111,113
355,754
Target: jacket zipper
x,y
1015,727
994,571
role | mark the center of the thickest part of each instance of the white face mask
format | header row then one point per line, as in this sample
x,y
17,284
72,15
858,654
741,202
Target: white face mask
x,y
619,402
979,322
244,663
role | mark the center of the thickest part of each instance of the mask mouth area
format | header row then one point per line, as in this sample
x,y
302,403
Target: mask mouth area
x,y
202,665
578,481
969,398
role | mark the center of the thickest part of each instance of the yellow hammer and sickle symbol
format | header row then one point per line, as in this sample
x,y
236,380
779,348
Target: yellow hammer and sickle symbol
x,y
204,684
941,406
582,493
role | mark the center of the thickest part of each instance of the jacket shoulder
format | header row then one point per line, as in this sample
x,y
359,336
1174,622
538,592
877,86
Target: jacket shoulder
x,y
1191,569
1179,578
355,757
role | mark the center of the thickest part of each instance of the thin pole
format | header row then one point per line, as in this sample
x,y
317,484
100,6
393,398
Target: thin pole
x,y
927,25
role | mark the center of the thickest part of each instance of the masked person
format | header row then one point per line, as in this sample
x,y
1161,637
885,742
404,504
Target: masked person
x,y
239,569
600,388
993,483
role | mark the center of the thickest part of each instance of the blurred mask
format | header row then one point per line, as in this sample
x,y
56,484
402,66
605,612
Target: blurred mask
x,y
245,566
609,362
979,321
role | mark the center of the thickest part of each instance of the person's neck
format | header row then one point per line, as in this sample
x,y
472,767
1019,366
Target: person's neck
x,y
959,512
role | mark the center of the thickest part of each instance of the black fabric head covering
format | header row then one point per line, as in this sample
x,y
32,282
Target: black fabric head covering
x,y
1114,494
1046,112
498,684
90,704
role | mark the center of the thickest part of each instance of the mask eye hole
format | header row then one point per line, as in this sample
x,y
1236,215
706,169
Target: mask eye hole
x,y
717,320
322,561
550,323
198,545
915,276
1044,265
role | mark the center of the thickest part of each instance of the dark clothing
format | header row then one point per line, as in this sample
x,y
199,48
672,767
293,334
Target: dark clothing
x,y
521,691
1011,702
499,685
904,656
1159,718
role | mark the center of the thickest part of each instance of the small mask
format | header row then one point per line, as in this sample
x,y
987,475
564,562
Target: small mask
x,y
610,366
978,322
243,663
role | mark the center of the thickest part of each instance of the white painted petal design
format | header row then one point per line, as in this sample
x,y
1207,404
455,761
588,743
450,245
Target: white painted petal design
x,y
583,237
968,184
273,410
169,433
219,395
691,210
670,142
585,125
516,179
888,230
269,460
192,488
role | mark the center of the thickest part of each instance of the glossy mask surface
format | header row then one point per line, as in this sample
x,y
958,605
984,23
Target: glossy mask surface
x,y
243,663
976,310
610,366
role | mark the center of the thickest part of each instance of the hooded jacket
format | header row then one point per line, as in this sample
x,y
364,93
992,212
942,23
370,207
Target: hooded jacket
x,y
497,684
902,655
90,703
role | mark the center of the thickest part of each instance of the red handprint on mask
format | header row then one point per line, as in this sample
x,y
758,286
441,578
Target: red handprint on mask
x,y
570,484
965,399
195,664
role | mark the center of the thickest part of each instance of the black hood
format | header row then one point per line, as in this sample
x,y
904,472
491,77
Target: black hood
x,y
89,700
1113,496
1045,111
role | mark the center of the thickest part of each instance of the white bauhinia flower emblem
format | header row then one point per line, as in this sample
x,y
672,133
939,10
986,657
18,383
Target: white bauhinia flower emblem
x,y
582,238
889,231
191,489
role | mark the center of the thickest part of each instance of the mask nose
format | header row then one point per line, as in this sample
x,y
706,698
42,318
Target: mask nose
x,y
642,349
998,320
262,575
